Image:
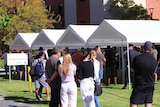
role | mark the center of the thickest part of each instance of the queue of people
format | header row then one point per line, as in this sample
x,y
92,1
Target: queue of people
x,y
64,71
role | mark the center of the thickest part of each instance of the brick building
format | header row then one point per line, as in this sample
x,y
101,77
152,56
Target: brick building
x,y
152,6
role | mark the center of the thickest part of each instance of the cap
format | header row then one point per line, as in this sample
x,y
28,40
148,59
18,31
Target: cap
x,y
147,45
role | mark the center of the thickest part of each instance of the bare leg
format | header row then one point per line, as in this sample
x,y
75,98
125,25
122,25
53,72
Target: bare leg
x,y
115,80
109,81
37,94
133,105
47,92
148,105
155,77
20,75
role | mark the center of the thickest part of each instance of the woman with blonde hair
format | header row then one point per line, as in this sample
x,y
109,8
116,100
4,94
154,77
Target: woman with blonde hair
x,y
96,65
68,92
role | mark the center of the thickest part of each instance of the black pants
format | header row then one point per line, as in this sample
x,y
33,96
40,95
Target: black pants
x,y
126,78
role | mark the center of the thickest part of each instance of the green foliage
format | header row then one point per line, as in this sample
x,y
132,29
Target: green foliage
x,y
22,16
1,64
5,21
128,10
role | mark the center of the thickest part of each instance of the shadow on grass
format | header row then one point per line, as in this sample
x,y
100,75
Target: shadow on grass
x,y
25,100
111,87
13,76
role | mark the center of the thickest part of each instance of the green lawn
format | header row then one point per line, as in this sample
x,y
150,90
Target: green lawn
x,y
1,63
113,96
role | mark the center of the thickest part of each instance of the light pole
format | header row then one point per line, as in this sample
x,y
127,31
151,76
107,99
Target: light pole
x,y
151,12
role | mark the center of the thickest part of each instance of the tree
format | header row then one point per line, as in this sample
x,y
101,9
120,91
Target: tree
x,y
5,23
128,10
23,16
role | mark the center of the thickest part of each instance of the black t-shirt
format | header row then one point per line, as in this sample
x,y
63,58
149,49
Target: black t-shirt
x,y
85,70
144,66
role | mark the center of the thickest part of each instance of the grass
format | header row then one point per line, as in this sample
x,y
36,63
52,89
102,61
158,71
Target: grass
x,y
1,63
113,95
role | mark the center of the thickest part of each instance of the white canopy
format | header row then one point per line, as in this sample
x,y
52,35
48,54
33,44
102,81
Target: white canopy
x,y
137,32
47,38
106,34
23,41
75,36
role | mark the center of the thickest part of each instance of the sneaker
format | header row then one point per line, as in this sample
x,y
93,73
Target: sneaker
x,y
40,99
124,87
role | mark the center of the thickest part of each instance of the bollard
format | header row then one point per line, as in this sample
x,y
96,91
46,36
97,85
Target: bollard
x,y
29,80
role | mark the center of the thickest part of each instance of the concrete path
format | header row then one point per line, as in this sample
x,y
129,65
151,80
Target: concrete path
x,y
11,103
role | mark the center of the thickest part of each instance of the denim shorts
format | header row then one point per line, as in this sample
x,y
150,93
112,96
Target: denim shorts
x,y
42,81
101,73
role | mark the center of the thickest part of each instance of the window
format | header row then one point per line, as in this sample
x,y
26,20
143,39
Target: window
x,y
82,0
60,8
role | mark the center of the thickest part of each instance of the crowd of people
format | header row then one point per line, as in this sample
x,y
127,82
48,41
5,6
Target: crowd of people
x,y
65,71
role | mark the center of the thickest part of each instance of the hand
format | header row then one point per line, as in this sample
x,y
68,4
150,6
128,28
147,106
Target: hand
x,y
48,81
131,69
79,80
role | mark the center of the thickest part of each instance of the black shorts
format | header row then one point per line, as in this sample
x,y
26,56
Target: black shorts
x,y
141,97
20,68
111,71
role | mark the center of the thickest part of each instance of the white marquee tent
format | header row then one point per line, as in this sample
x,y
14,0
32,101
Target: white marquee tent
x,y
118,32
105,35
137,31
23,41
47,38
122,32
75,36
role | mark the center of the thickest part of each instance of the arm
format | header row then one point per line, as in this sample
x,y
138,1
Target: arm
x,y
75,70
79,73
55,74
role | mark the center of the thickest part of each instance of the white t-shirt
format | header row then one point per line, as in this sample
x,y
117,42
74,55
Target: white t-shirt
x,y
96,64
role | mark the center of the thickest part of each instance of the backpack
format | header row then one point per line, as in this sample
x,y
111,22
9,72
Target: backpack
x,y
38,68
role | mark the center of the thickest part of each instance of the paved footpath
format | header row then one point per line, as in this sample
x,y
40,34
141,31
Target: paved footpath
x,y
11,103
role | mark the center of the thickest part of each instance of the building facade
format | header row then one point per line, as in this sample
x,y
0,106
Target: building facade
x,y
78,11
93,11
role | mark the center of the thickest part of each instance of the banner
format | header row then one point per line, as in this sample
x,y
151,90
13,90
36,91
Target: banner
x,y
17,59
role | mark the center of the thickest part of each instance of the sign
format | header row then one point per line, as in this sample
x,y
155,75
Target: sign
x,y
17,59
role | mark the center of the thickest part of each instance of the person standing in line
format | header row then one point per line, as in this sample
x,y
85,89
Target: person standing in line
x,y
96,64
4,57
154,52
40,81
110,65
36,57
143,87
53,77
132,54
100,57
21,68
68,92
77,57
85,75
